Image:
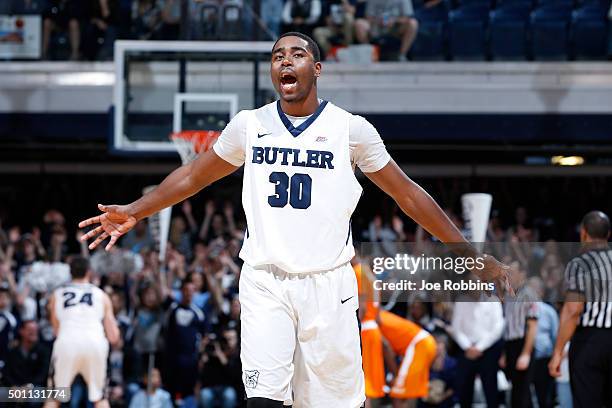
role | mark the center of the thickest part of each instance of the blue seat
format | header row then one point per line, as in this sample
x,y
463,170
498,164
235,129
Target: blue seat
x,y
430,41
555,3
523,3
508,31
589,31
550,32
487,3
467,32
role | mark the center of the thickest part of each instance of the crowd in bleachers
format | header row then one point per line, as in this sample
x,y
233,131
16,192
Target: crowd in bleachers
x,y
181,315
346,30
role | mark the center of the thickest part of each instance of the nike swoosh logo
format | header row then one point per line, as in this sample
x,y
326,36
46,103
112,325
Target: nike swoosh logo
x,y
262,135
346,300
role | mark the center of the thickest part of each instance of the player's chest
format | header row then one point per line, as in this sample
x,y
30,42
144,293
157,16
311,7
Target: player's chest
x,y
317,147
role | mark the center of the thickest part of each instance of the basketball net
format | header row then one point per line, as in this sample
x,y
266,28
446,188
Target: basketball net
x,y
190,143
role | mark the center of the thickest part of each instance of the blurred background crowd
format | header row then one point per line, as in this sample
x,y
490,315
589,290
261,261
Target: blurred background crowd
x,y
346,30
180,318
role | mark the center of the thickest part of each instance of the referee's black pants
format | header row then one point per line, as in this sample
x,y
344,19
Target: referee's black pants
x,y
544,384
520,379
486,367
590,366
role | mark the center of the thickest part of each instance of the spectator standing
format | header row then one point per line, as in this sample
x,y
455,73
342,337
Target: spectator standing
x,y
551,272
521,313
62,15
101,29
339,17
146,17
382,235
548,324
146,330
271,14
180,236
8,323
477,327
301,15
388,18
28,362
183,332
138,238
170,20
27,249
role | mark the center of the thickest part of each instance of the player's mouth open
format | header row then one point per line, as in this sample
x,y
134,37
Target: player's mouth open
x,y
288,81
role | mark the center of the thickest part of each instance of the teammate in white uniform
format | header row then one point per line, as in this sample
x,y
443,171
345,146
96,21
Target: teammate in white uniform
x,y
298,292
83,320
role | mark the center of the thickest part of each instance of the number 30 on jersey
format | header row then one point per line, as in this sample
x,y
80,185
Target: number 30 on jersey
x,y
295,190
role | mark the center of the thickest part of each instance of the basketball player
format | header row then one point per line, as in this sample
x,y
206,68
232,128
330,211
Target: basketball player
x,y
84,323
298,292
371,339
417,349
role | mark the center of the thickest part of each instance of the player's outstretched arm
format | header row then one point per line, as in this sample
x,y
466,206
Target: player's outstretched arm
x,y
419,206
111,328
416,203
182,183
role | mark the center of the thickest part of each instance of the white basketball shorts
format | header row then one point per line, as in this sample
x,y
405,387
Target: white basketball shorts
x,y
300,337
81,354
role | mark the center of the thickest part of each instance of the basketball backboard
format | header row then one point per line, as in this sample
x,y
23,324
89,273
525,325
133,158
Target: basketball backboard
x,y
165,86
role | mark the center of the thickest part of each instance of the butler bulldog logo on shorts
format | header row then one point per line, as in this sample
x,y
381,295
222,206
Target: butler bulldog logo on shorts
x,y
251,377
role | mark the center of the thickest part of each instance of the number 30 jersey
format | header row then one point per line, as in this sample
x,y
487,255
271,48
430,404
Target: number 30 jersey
x,y
79,308
299,188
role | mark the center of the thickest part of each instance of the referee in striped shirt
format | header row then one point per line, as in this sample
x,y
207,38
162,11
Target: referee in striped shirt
x,y
521,314
586,317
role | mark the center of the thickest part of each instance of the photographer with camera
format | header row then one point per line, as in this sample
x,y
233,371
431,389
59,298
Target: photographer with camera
x,y
220,370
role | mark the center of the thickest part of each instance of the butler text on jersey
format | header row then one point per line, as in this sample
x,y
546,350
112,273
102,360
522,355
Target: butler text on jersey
x,y
293,157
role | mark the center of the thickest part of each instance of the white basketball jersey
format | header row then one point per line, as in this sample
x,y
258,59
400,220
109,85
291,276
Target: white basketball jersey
x,y
79,308
299,190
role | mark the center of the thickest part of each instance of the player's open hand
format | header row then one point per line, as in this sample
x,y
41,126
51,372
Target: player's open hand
x,y
114,222
498,273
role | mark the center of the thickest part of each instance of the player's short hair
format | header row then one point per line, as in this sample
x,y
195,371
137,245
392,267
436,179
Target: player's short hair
x,y
312,45
596,224
79,267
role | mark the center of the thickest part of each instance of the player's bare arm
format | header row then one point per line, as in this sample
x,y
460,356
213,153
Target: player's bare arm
x,y
111,328
52,316
568,321
418,205
182,183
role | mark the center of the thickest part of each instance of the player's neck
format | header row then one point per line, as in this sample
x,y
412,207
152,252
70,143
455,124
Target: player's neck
x,y
305,107
80,280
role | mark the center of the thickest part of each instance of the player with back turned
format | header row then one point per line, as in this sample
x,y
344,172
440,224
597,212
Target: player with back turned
x,y
298,292
84,323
